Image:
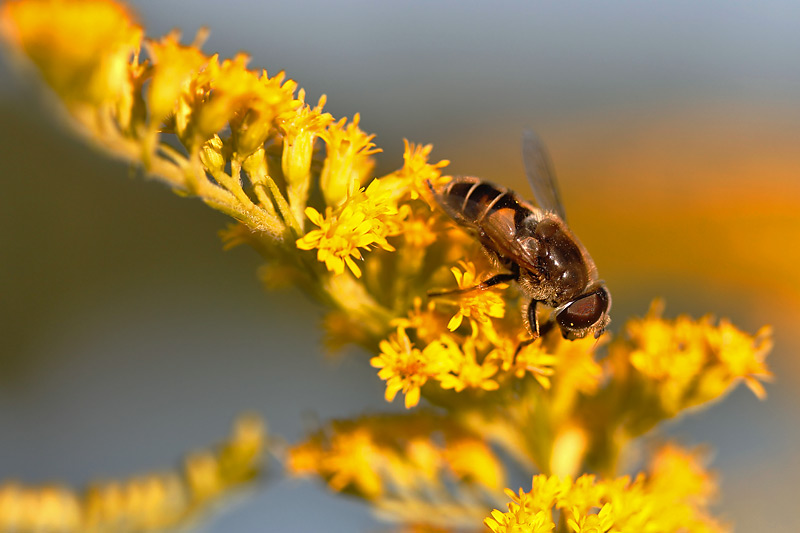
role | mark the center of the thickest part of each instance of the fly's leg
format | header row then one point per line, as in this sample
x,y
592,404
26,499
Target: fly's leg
x,y
482,286
534,328
532,322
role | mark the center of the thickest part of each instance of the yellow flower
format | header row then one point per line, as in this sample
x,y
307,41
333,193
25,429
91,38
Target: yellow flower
x,y
672,499
240,457
300,127
420,232
415,175
685,362
210,473
149,502
407,368
530,511
471,459
304,458
466,372
680,473
583,495
742,355
366,219
350,462
670,353
203,476
521,359
48,508
520,521
174,66
82,47
425,459
402,367
428,324
239,97
545,492
576,368
347,457
347,161
477,305
593,523
144,503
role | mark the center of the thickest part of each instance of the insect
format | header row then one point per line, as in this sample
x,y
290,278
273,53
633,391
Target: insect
x,y
534,244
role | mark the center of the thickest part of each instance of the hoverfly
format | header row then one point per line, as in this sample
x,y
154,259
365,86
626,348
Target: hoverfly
x,y
534,244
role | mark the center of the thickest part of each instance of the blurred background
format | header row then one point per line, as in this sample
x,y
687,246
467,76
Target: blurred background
x,y
127,337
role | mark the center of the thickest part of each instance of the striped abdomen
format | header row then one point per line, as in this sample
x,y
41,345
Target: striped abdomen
x,y
472,201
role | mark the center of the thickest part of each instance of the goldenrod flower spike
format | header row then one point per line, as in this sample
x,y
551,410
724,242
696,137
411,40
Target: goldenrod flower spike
x,y
677,364
376,251
150,502
673,499
82,66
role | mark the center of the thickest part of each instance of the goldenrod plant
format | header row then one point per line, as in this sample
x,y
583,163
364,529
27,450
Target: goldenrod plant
x,y
148,502
481,400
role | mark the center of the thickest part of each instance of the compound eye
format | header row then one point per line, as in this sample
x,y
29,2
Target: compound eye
x,y
584,312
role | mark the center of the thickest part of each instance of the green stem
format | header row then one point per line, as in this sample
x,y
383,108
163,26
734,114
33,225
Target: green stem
x,y
283,205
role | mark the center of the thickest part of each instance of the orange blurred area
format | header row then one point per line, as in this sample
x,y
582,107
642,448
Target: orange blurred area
x,y
696,203
707,193
710,193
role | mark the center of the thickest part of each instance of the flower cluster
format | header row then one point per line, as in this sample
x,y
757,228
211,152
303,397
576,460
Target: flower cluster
x,y
364,219
402,281
399,462
668,366
673,497
146,503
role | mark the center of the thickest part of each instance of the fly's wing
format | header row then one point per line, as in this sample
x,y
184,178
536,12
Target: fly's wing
x,y
505,232
500,236
540,174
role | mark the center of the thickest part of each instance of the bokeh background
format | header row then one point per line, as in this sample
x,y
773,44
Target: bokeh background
x,y
127,337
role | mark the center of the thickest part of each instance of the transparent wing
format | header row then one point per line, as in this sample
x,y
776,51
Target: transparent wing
x,y
540,174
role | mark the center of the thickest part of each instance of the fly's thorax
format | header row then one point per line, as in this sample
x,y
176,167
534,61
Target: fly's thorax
x,y
561,259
